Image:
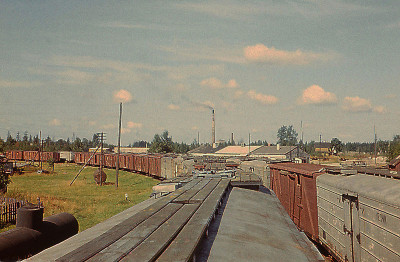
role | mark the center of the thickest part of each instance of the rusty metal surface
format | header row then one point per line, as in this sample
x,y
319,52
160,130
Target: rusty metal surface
x,y
295,186
300,168
359,216
255,228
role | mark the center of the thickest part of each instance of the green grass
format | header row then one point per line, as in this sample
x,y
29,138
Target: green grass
x,y
88,202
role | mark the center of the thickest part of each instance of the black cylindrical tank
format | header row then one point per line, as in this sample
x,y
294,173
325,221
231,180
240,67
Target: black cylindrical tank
x,y
30,216
33,235
58,227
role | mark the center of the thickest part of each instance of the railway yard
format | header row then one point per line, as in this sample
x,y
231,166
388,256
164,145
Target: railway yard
x,y
207,209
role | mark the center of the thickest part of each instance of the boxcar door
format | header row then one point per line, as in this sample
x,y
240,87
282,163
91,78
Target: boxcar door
x,y
351,227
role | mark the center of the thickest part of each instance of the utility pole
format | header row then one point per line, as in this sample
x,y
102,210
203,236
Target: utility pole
x,y
320,147
102,138
375,144
301,124
249,144
119,146
40,149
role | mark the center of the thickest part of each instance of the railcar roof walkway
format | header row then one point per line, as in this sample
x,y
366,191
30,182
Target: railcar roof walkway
x,y
255,227
175,228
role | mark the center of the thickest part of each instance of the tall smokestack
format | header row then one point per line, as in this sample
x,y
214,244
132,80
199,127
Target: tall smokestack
x,y
213,129
232,141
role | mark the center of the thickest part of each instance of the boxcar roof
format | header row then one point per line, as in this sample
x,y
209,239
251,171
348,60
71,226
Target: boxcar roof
x,y
300,168
386,190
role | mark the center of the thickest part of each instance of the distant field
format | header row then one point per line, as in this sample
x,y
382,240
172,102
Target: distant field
x,y
88,202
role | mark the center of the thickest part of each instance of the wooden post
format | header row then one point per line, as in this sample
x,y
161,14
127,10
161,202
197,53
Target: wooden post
x,y
119,146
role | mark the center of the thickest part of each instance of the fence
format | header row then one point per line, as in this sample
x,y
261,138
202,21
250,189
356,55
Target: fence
x,y
8,209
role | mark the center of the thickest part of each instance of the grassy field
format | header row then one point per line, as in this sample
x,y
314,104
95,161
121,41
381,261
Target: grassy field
x,y
88,202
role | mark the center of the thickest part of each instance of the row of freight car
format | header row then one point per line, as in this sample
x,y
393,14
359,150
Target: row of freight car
x,y
356,215
160,166
147,164
32,155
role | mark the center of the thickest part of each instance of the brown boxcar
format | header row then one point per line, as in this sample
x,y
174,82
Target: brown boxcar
x,y
145,164
123,163
46,156
31,155
154,165
109,160
131,163
295,186
138,163
14,155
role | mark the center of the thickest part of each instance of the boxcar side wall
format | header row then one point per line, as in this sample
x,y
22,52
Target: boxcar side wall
x,y
359,216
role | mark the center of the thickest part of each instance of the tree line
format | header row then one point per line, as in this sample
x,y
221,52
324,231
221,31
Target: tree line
x,y
163,143
32,143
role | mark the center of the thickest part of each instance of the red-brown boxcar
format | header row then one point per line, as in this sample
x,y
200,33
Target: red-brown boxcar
x,y
295,186
78,158
31,155
46,156
109,160
14,155
131,163
138,163
154,165
123,161
145,164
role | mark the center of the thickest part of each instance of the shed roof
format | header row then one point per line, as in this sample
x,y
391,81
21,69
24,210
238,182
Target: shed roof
x,y
272,150
205,149
300,168
237,150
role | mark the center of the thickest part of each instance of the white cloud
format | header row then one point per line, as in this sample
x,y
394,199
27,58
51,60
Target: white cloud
x,y
122,96
317,95
54,122
173,107
131,124
232,84
215,83
263,54
356,104
380,109
262,98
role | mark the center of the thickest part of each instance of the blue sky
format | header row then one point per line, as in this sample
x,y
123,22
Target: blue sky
x,y
65,65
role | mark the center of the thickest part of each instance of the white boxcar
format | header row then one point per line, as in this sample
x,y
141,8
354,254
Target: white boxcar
x,y
359,216
67,156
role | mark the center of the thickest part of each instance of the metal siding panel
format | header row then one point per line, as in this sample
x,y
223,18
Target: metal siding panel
x,y
309,214
331,219
380,230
